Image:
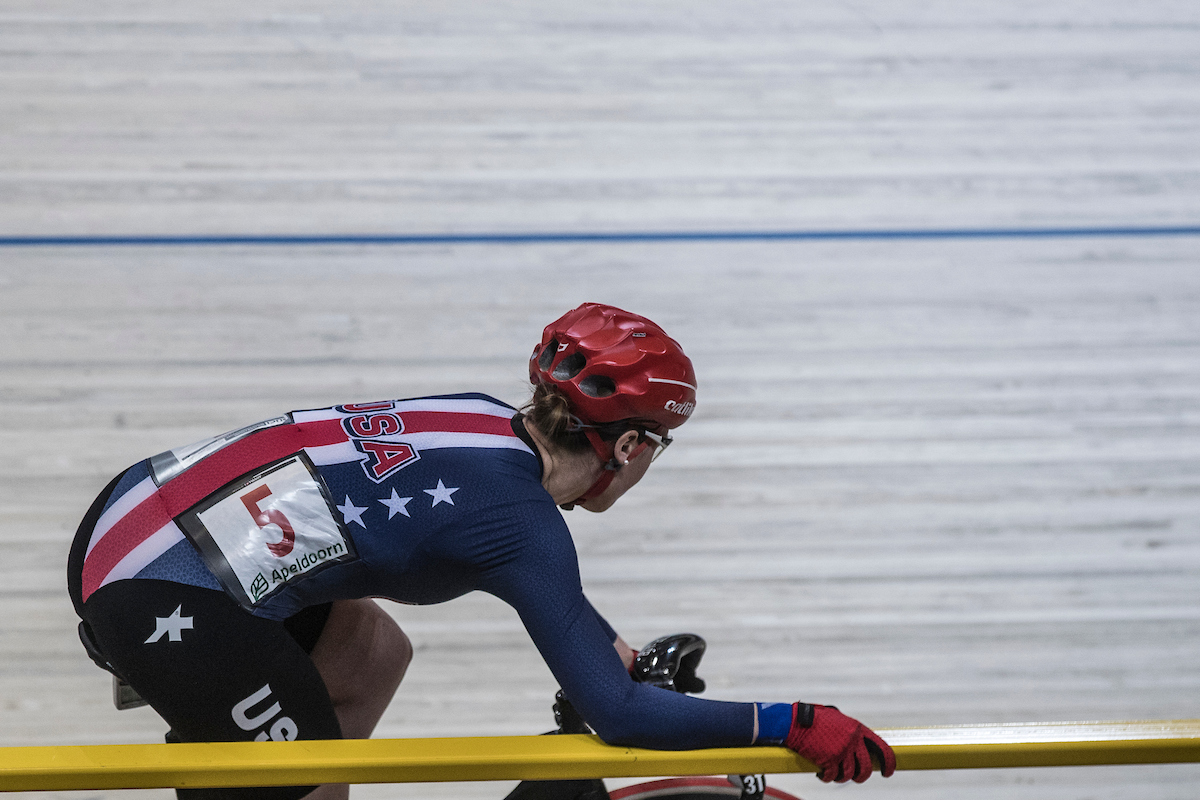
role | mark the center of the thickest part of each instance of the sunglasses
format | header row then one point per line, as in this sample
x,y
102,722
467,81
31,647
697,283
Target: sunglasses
x,y
661,443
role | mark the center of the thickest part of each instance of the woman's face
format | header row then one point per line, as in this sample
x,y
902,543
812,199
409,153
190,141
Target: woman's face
x,y
637,460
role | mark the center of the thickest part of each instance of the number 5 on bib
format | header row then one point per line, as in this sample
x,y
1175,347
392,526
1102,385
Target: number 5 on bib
x,y
267,530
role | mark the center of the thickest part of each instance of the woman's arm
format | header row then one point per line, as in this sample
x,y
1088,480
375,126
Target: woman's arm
x,y
540,579
626,652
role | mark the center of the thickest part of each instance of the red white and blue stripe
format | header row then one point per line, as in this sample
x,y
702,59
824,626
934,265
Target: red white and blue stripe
x,y
138,526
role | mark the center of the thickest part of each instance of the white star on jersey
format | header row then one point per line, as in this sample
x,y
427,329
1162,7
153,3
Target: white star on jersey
x,y
441,494
396,505
352,513
172,627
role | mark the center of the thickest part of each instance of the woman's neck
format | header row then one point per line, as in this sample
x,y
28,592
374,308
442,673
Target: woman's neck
x,y
566,475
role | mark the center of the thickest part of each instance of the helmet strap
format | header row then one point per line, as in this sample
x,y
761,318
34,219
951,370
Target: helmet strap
x,y
608,457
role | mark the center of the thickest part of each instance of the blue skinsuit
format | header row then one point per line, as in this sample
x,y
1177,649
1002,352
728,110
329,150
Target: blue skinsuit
x,y
437,520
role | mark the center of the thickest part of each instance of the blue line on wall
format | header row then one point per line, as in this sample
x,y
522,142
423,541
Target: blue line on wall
x,y
583,236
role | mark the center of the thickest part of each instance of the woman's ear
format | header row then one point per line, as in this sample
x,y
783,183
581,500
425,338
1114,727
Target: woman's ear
x,y
626,443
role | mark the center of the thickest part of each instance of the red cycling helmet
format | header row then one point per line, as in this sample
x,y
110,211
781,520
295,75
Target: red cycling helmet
x,y
613,365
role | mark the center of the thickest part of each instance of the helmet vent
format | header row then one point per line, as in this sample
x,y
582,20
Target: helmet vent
x,y
569,367
598,386
547,355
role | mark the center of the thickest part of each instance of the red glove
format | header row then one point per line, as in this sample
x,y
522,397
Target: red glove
x,y
842,747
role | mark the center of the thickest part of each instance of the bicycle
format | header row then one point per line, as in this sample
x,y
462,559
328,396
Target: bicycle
x,y
670,663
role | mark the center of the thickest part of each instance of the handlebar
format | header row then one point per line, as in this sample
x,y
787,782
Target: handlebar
x,y
668,662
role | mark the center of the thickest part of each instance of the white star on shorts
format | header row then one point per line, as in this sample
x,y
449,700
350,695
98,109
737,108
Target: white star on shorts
x,y
441,494
396,505
352,513
172,627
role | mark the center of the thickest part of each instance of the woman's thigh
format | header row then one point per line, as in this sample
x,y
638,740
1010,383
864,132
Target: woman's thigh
x,y
362,655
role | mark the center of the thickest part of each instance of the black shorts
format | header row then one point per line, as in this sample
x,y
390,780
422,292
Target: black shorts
x,y
213,671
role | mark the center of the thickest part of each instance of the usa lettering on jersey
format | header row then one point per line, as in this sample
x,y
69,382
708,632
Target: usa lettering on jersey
x,y
383,456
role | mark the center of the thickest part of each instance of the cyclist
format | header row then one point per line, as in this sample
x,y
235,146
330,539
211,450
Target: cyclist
x,y
230,583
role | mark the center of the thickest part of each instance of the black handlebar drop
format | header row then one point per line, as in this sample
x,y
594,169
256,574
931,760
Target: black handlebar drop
x,y
670,662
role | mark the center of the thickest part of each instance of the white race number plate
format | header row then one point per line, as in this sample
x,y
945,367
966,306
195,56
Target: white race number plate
x,y
267,530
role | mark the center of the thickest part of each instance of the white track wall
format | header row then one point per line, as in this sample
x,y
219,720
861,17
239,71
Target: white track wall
x,y
928,481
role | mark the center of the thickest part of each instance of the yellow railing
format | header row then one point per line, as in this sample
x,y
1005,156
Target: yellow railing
x,y
149,766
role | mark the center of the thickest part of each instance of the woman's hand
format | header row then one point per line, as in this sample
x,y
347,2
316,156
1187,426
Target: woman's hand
x,y
841,746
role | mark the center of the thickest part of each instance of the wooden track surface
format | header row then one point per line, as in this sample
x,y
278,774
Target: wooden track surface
x,y
930,482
